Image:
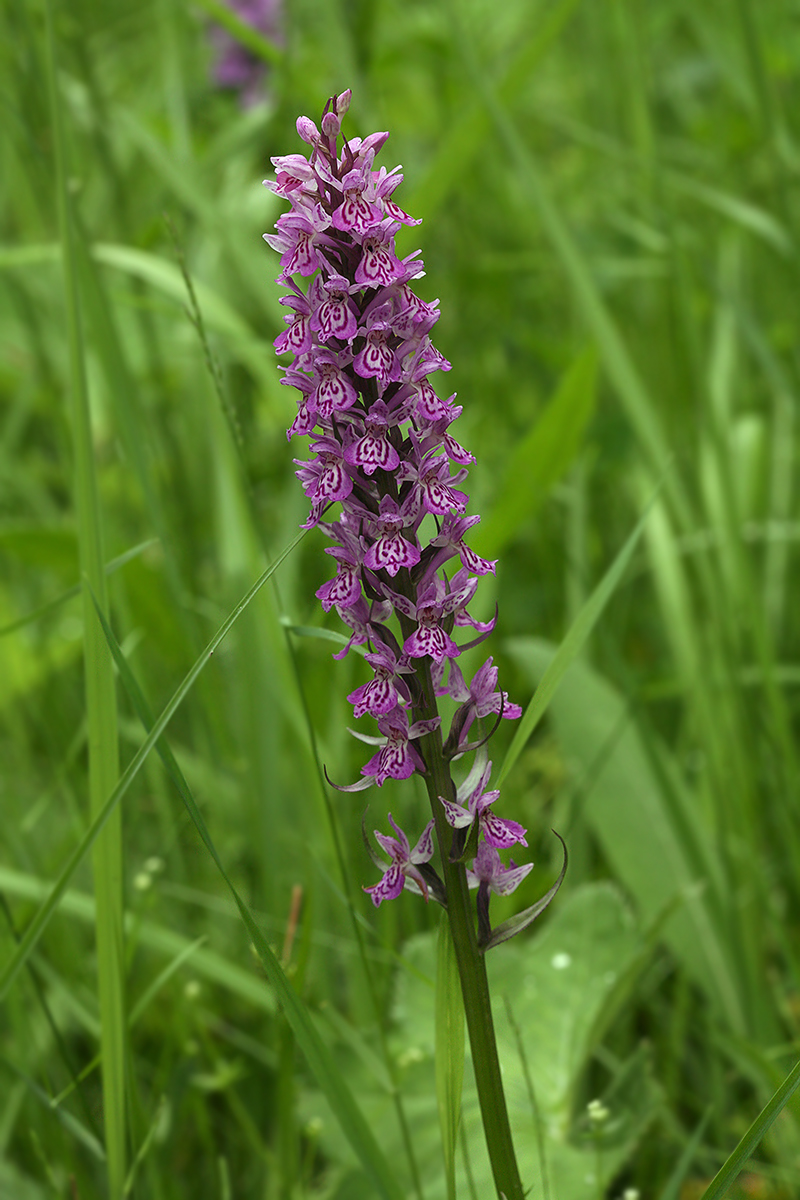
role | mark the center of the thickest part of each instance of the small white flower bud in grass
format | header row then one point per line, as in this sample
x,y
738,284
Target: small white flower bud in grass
x,y
597,1112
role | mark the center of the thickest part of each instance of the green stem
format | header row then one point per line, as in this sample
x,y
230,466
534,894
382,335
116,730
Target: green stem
x,y
471,963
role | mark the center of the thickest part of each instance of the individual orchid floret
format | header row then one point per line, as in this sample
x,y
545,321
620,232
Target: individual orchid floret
x,y
334,314
434,605
397,758
355,214
451,538
481,698
489,874
386,691
363,619
474,803
333,391
296,338
297,241
433,491
379,264
390,551
375,448
383,184
403,870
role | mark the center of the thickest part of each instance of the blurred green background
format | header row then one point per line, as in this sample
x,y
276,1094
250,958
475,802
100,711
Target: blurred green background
x,y
609,194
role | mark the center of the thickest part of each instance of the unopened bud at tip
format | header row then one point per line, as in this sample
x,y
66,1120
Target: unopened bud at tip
x,y
331,125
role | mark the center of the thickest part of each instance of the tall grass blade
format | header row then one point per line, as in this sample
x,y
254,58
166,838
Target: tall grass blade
x,y
41,920
449,1059
571,646
735,1162
542,457
621,369
101,705
328,1075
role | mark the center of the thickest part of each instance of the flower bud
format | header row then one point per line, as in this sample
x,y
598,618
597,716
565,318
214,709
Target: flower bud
x,y
331,125
307,130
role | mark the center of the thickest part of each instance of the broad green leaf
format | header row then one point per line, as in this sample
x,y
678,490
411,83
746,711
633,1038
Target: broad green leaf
x,y
558,981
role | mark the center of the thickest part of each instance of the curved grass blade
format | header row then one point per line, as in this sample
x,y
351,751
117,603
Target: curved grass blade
x,y
42,918
571,646
672,1188
734,1163
319,1058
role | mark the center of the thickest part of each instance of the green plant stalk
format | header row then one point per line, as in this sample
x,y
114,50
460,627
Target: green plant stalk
x,y
471,962
101,705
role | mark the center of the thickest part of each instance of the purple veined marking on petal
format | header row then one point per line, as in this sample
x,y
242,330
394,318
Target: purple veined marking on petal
x,y
343,591
295,339
371,452
375,359
334,482
336,321
378,266
334,392
391,552
431,640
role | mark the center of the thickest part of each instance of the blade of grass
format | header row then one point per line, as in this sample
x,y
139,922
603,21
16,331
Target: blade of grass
x,y
101,706
571,646
542,457
319,1058
735,1162
449,1056
622,371
41,920
207,964
110,567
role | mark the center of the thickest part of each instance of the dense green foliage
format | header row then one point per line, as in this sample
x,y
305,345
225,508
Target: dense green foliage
x,y
609,193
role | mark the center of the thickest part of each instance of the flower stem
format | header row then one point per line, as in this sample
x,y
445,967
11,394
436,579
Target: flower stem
x,y
471,965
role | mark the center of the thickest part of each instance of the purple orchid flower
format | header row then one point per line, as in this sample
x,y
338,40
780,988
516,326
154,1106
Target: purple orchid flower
x,y
474,803
381,449
489,873
403,871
